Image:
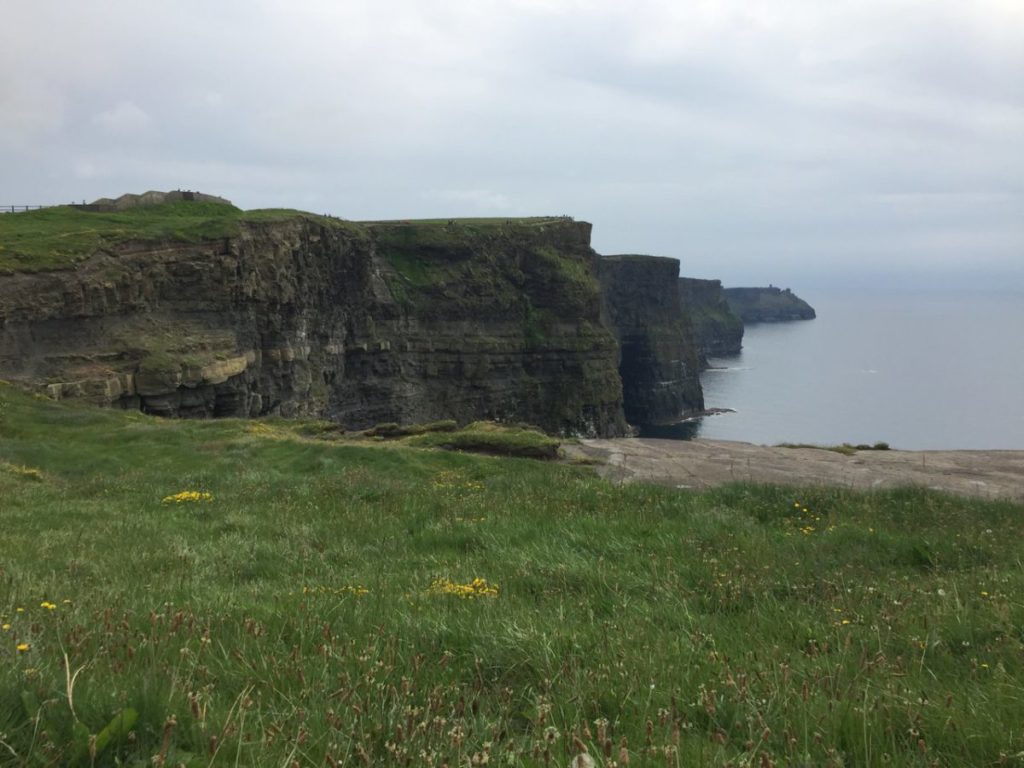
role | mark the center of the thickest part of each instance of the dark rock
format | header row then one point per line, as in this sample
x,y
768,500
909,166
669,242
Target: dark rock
x,y
768,305
659,362
717,329
308,317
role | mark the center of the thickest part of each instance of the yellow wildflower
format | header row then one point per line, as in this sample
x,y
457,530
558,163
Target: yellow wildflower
x,y
23,646
187,496
478,587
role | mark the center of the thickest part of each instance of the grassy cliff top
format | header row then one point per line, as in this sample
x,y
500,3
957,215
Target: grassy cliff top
x,y
57,237
286,596
482,221
52,238
637,258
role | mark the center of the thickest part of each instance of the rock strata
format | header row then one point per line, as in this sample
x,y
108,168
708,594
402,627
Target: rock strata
x,y
316,317
717,329
659,361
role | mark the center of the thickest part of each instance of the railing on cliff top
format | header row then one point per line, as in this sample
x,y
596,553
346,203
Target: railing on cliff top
x,y
21,208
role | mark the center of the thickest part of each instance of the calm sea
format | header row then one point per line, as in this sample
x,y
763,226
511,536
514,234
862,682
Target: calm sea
x,y
918,372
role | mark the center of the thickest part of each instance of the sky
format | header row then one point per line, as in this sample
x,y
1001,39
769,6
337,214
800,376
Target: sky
x,y
784,141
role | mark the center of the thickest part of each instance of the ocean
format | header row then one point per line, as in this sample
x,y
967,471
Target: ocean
x,y
917,371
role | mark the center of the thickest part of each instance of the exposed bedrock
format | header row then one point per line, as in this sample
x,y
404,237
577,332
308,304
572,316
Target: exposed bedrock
x,y
361,324
659,362
716,328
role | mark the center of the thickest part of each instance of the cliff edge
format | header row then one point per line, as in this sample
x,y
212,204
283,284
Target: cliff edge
x,y
717,329
768,305
195,308
659,362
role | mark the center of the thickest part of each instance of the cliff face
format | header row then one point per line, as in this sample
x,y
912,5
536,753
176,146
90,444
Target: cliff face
x,y
768,305
316,317
717,330
659,362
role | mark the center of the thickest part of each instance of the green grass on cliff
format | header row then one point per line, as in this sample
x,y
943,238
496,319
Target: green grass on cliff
x,y
321,603
57,237
490,438
464,267
60,236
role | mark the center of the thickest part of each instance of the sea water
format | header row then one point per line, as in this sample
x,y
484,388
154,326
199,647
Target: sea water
x,y
924,371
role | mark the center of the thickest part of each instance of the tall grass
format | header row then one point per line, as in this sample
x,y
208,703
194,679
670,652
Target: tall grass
x,y
300,614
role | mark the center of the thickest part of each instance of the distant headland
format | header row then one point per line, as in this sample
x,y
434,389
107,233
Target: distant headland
x,y
768,305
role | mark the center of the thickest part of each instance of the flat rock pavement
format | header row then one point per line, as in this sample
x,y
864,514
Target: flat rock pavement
x,y
707,463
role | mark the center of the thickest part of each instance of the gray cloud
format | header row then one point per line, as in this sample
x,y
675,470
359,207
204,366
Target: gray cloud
x,y
757,143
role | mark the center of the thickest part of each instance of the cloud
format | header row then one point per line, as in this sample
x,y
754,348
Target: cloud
x,y
123,119
733,134
481,200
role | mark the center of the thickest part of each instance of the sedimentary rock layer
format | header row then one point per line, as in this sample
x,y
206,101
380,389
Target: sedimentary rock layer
x,y
659,361
717,330
316,317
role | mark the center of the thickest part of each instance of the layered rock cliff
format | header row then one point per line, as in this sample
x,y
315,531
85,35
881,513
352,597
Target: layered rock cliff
x,y
301,315
717,329
768,305
659,360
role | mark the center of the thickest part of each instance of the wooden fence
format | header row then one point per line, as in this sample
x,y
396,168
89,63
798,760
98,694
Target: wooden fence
x,y
20,208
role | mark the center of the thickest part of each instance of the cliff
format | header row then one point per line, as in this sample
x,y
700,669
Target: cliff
x,y
766,305
198,309
659,361
717,329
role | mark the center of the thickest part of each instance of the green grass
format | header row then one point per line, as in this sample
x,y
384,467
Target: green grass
x,y
310,610
490,438
847,449
470,222
60,236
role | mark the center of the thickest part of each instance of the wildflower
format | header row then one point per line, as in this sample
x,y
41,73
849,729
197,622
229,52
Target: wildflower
x,y
478,587
187,496
984,593
6,627
47,605
23,647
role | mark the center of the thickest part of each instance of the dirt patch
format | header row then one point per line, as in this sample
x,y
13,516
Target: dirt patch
x,y
709,463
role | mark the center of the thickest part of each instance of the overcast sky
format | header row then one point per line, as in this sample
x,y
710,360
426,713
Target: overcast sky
x,y
758,142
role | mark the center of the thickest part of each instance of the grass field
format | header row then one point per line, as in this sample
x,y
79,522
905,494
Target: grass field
x,y
60,236
238,593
